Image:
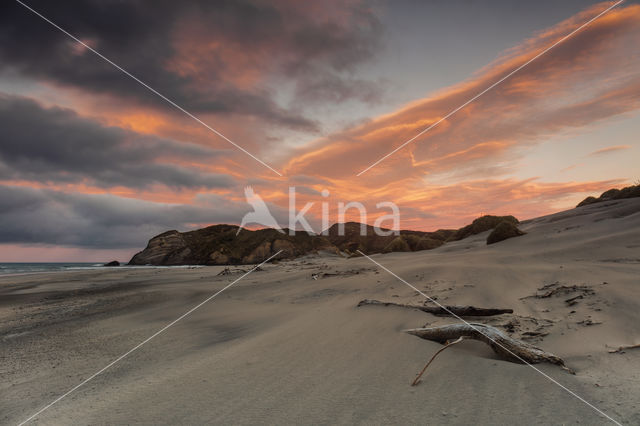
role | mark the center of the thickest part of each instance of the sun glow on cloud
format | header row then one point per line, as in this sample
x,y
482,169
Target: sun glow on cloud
x,y
587,79
138,154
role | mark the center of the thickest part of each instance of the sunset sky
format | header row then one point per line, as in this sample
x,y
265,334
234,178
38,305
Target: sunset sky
x,y
93,164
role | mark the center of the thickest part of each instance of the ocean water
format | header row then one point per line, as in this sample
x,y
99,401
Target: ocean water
x,y
26,268
33,268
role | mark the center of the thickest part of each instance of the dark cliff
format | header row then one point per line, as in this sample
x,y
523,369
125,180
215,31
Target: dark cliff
x,y
219,244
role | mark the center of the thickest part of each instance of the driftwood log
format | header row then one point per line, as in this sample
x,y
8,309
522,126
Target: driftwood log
x,y
621,349
443,311
506,347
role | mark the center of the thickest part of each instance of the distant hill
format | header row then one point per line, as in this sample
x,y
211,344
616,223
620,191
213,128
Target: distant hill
x,y
219,245
613,194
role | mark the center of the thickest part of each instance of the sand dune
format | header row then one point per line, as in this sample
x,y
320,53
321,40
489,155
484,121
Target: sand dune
x,y
280,347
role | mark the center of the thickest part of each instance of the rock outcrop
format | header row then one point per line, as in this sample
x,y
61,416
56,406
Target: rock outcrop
x,y
503,231
482,224
219,244
613,194
168,248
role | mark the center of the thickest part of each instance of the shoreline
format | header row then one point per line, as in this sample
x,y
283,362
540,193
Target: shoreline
x,y
100,268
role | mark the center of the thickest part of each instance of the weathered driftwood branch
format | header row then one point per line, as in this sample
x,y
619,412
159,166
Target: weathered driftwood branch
x,y
621,349
417,379
506,347
461,311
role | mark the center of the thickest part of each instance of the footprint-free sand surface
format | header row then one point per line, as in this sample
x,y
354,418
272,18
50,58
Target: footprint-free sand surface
x,y
280,347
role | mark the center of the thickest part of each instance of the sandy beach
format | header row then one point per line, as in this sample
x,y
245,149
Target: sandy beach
x,y
280,347
258,212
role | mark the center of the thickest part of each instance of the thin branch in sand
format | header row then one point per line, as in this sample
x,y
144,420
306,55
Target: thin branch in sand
x,y
460,311
417,379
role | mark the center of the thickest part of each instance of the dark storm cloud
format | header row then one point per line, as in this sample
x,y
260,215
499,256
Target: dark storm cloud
x,y
167,45
335,89
29,216
55,144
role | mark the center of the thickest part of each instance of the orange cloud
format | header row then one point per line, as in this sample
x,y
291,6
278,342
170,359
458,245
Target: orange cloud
x,y
465,165
430,207
610,149
587,78
458,170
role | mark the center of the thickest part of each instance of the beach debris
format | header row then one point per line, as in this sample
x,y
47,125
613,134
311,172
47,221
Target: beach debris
x,y
588,322
572,301
230,271
447,344
534,334
528,328
621,349
461,311
504,346
557,289
342,273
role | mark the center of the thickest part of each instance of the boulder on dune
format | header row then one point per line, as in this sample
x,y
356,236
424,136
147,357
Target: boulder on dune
x,y
397,244
418,243
482,224
503,231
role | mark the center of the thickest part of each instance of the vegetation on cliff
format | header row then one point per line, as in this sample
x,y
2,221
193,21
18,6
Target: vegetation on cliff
x,y
613,194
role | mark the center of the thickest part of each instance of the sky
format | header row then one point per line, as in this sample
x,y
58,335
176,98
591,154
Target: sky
x,y
93,164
